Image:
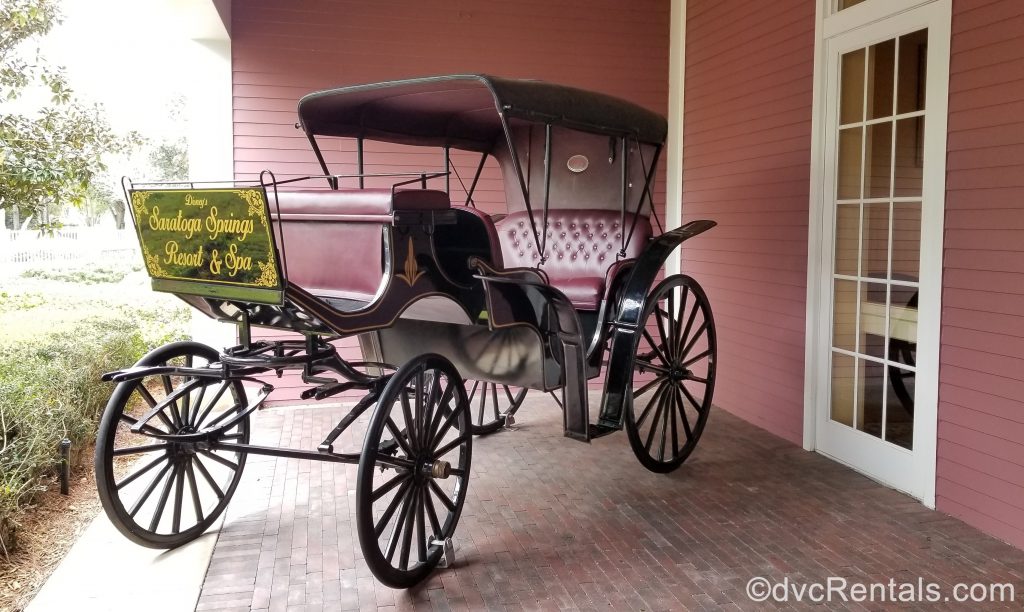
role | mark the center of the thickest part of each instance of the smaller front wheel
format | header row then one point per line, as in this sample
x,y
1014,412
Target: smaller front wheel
x,y
413,471
673,374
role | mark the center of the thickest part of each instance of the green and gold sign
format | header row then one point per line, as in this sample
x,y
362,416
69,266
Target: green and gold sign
x,y
210,242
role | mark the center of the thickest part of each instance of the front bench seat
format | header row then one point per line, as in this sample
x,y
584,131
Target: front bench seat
x,y
582,249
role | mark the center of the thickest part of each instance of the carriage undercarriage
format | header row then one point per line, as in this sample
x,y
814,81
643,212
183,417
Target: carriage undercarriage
x,y
450,306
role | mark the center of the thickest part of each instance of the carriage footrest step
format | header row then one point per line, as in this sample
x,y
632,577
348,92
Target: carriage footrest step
x,y
596,431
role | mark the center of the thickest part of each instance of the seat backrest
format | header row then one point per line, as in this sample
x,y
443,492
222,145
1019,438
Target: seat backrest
x,y
580,243
333,239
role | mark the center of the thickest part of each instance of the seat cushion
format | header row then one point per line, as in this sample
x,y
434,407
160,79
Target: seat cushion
x,y
581,247
358,201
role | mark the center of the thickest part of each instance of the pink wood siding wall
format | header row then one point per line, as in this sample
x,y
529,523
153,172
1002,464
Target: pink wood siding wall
x,y
981,377
747,138
284,50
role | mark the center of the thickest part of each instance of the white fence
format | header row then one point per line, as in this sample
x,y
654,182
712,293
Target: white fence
x,y
20,247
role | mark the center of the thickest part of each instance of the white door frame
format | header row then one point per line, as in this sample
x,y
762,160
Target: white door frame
x,y
906,14
676,81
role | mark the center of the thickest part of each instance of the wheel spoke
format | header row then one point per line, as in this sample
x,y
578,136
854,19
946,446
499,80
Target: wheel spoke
x,y
198,419
695,359
151,401
647,387
697,405
421,536
432,514
670,415
221,460
137,450
444,450
654,345
682,412
185,403
664,433
655,400
179,494
472,392
407,530
398,436
147,428
448,503
494,396
407,415
152,464
173,404
396,533
446,397
383,490
693,341
677,341
422,418
483,402
654,424
149,490
670,348
209,479
162,502
197,504
685,335
663,351
378,528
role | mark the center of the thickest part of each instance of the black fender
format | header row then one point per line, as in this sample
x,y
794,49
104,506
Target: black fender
x,y
629,317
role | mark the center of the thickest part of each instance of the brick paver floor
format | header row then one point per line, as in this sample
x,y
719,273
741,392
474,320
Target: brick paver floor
x,y
550,523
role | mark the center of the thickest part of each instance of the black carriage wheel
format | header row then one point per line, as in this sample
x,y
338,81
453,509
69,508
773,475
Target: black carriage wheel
x,y
489,403
413,471
673,374
162,494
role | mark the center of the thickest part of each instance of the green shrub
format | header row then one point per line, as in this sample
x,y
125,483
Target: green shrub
x,y
50,389
88,275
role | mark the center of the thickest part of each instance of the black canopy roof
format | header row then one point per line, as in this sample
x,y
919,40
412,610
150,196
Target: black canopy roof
x,y
462,111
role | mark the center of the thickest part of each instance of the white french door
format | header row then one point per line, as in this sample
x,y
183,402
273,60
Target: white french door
x,y
882,106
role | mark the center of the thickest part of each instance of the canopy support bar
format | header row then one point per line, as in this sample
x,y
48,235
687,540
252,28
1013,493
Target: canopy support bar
x,y
359,163
645,195
332,181
519,175
547,194
476,179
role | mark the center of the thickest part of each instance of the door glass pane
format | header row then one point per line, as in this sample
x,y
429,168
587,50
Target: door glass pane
x,y
906,241
875,259
848,173
912,63
847,238
851,89
881,64
844,321
909,161
872,319
878,160
903,326
870,410
843,378
899,407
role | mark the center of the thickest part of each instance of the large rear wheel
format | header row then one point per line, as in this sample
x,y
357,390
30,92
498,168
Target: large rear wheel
x,y
673,375
492,405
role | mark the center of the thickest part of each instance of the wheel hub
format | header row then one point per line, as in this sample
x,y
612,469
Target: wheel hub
x,y
437,469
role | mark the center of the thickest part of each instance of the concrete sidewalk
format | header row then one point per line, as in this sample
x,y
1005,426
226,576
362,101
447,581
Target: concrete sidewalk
x,y
106,572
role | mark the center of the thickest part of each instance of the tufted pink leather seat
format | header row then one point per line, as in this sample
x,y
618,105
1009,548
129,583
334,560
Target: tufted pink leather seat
x,y
582,248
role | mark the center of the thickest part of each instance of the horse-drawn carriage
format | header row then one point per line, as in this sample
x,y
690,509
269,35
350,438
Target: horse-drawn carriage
x,y
437,294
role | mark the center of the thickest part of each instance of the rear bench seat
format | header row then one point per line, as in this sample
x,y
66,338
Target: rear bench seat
x,y
582,249
333,238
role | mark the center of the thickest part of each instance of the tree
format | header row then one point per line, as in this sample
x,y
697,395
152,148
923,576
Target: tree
x,y
50,156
